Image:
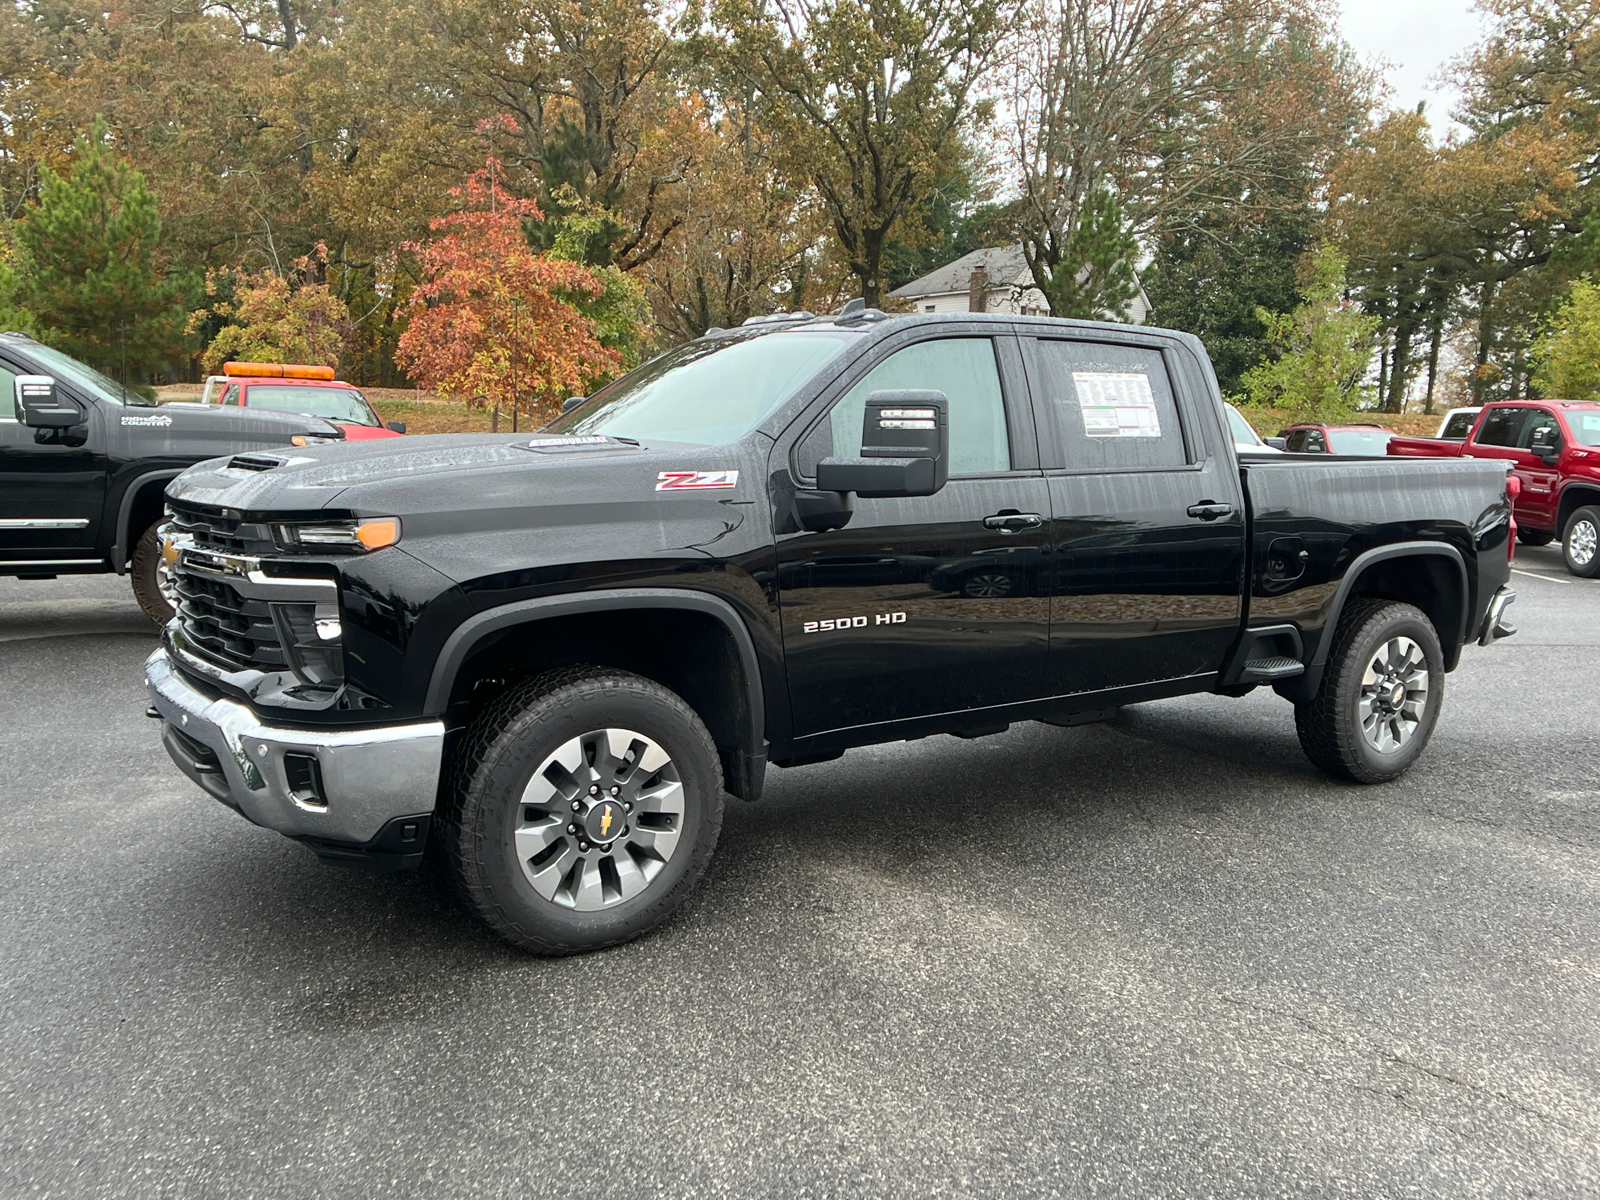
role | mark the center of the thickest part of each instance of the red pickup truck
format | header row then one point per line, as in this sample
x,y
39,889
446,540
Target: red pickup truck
x,y
1554,449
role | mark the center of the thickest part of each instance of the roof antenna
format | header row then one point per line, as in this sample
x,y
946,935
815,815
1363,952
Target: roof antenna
x,y
856,305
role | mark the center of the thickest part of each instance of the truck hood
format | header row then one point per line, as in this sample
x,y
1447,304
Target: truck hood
x,y
466,500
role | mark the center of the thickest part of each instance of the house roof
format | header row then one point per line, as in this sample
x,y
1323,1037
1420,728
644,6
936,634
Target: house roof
x,y
1005,264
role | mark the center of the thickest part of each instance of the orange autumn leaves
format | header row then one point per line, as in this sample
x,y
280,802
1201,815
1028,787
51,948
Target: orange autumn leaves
x,y
494,323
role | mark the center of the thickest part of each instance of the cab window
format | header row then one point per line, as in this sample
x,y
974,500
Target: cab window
x,y
964,369
1501,427
1114,406
1538,418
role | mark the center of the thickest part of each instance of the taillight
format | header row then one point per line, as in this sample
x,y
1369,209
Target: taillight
x,y
1513,490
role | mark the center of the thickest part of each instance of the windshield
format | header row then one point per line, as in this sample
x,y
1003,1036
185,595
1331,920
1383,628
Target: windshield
x,y
336,404
1242,433
1585,427
709,392
70,369
1360,441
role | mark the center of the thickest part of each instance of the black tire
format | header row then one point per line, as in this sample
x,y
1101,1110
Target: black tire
x,y
1535,537
482,806
1579,538
145,574
1330,723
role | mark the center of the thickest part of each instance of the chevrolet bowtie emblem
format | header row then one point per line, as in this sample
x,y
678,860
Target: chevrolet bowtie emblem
x,y
605,821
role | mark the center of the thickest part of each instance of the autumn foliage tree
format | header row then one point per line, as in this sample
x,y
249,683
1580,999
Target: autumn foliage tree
x,y
494,323
267,320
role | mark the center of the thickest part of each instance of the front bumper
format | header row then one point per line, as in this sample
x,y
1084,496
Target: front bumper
x,y
1495,625
343,787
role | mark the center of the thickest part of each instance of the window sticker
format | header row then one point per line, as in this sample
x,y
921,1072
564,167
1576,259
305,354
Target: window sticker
x,y
1116,404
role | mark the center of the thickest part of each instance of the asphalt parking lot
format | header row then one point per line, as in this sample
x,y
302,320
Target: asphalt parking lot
x,y
1161,957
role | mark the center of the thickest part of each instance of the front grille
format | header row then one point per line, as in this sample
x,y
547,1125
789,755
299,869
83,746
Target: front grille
x,y
216,529
224,627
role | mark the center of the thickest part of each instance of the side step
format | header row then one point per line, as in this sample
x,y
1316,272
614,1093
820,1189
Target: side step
x,y
1266,670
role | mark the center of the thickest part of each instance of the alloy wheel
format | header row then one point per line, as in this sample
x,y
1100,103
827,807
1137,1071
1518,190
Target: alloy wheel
x,y
1582,541
1394,694
599,819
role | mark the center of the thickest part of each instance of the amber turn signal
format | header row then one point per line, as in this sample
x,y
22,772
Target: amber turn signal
x,y
378,533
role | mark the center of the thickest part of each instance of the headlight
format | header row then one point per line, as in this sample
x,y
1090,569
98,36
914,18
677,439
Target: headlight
x,y
374,533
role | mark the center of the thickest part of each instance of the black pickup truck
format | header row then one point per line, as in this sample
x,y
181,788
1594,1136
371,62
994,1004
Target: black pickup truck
x,y
544,659
83,464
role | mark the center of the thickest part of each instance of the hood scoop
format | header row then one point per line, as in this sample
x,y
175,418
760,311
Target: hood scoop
x,y
255,462
580,443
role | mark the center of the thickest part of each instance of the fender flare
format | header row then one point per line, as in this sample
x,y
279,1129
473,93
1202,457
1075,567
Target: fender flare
x,y
119,547
1304,686
459,646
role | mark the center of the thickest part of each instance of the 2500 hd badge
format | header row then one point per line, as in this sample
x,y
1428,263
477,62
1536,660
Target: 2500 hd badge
x,y
823,626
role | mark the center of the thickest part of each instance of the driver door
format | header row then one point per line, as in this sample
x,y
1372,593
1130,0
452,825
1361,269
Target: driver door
x,y
929,604
51,492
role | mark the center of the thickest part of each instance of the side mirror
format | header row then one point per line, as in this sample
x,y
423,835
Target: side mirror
x,y
395,426
40,406
905,448
572,402
1546,443
1277,443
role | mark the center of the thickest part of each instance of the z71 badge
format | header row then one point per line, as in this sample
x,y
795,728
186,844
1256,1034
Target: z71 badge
x,y
695,481
828,624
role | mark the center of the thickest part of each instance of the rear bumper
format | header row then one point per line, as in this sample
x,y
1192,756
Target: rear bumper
x,y
1495,625
349,788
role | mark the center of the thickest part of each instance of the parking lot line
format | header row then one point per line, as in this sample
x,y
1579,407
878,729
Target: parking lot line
x,y
1539,575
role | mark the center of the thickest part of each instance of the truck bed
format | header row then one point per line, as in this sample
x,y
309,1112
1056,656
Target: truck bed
x,y
1341,508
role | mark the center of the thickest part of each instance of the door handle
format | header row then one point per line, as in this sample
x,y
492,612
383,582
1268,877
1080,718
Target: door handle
x,y
1011,522
1210,510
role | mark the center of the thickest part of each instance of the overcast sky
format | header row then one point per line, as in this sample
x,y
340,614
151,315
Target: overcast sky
x,y
1416,38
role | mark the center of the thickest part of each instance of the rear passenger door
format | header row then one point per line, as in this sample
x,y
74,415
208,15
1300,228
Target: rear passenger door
x,y
928,604
1146,548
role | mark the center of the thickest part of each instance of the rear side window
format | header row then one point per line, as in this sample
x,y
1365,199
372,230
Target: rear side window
x,y
1114,406
1459,425
1502,426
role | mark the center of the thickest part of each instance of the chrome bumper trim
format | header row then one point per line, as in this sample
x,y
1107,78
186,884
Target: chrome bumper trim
x,y
1495,625
369,775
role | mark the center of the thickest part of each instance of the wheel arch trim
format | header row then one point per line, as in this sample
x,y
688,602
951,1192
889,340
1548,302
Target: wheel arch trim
x,y
120,549
1304,686
458,647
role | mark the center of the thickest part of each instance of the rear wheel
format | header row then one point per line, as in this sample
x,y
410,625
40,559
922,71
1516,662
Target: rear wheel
x,y
1580,546
1535,537
1380,694
583,807
148,573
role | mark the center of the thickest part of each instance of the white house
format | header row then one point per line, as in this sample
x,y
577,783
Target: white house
x,y
995,280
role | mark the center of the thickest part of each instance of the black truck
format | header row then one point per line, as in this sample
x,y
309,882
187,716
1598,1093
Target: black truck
x,y
83,463
545,659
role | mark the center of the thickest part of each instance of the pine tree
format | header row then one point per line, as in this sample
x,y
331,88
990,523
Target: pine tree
x,y
1095,280
94,282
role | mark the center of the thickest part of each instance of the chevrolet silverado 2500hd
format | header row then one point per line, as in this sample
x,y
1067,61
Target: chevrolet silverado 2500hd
x,y
83,465
545,659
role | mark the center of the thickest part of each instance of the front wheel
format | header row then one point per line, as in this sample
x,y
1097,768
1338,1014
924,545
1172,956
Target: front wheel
x,y
583,807
1380,694
148,573
1580,546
